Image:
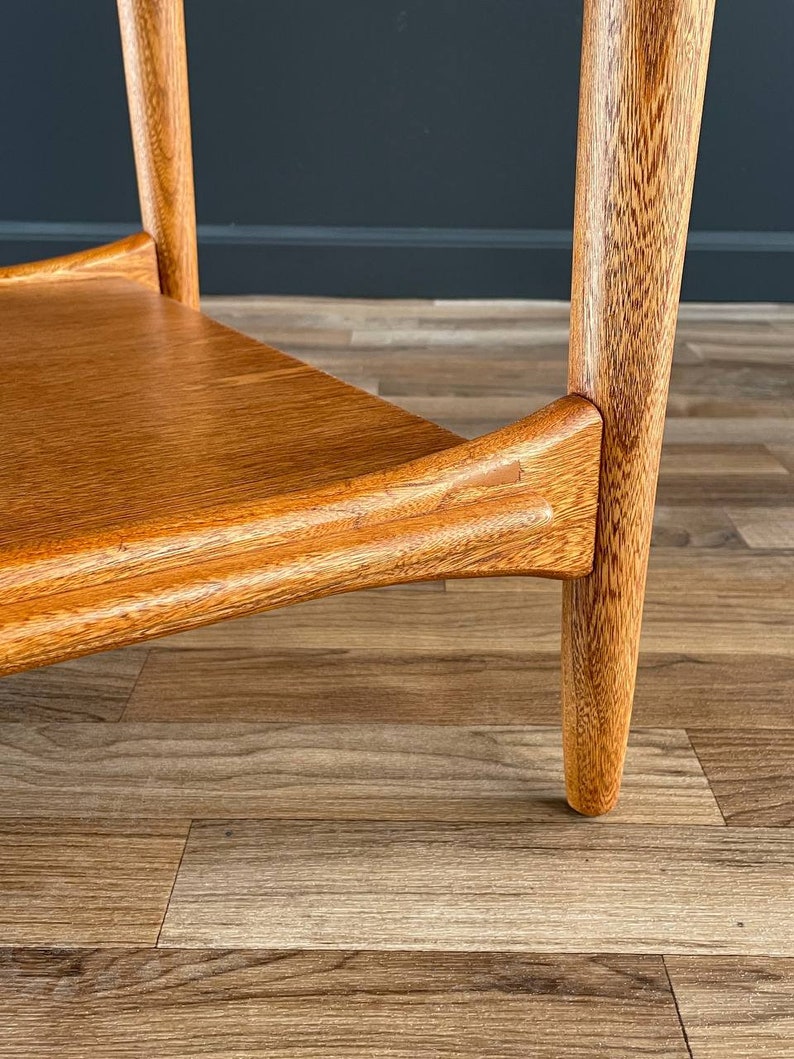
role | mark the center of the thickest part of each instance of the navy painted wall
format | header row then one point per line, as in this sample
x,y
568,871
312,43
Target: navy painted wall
x,y
385,147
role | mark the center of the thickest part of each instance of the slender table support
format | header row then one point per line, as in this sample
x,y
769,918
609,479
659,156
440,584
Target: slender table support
x,y
155,66
643,76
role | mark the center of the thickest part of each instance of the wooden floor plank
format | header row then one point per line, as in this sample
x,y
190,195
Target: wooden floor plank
x,y
743,430
784,453
728,406
699,388
310,1005
394,619
349,685
531,338
455,687
720,490
751,773
736,324
773,348
724,387
698,600
764,527
565,887
338,772
718,460
412,370
81,882
476,414
695,690
735,1007
95,688
694,526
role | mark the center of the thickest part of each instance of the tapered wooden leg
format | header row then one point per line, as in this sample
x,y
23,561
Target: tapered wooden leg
x,y
643,76
155,68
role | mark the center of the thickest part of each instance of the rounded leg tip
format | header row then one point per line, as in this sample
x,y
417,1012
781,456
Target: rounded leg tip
x,y
592,805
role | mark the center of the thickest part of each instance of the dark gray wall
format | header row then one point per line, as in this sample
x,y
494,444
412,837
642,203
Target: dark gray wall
x,y
385,147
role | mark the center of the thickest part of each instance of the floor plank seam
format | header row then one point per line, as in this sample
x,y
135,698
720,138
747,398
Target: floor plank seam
x,y
706,777
677,1008
134,687
173,886
569,816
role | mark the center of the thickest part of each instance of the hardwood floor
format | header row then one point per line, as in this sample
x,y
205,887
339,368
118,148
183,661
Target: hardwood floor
x,y
735,1005
69,881
331,771
338,830
314,1004
549,887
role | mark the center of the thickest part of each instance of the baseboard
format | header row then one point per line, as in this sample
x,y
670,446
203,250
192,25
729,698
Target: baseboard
x,y
422,262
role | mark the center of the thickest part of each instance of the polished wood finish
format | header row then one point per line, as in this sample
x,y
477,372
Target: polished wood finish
x,y
133,258
199,417
178,419
187,518
155,65
114,553
718,653
141,1004
228,526
698,604
228,425
643,78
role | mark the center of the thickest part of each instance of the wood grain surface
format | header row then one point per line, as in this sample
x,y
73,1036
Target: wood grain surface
x,y
716,659
95,688
339,684
199,419
735,1006
68,881
340,772
642,81
750,772
308,1005
133,258
199,416
764,527
546,887
347,685
155,67
111,554
697,602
